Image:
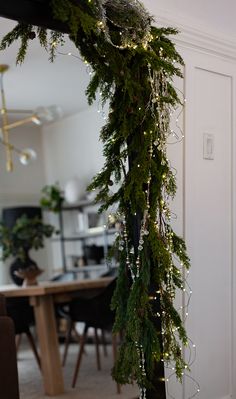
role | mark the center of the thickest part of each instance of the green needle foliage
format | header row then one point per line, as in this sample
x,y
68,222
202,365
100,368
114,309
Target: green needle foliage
x,y
133,66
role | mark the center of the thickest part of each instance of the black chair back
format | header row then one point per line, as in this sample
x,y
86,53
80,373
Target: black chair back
x,y
96,311
20,311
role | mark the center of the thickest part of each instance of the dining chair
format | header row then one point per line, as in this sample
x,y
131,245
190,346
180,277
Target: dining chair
x,y
96,313
20,311
71,325
61,312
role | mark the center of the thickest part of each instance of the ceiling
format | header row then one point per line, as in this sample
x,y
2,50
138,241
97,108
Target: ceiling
x,y
217,16
37,82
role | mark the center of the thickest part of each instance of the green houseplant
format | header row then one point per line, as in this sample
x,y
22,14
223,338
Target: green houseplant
x,y
53,198
26,234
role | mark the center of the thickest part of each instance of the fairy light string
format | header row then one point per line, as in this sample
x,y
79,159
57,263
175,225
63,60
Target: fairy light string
x,y
159,139
161,135
131,64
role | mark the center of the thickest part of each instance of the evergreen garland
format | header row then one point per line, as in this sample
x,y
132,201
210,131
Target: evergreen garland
x,y
133,67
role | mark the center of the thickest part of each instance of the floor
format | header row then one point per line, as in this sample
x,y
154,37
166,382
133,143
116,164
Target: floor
x,y
91,384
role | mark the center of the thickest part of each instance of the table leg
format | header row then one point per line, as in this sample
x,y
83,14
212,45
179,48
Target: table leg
x,y
48,342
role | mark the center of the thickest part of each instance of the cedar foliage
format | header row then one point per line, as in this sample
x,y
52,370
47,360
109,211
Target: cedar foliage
x,y
123,76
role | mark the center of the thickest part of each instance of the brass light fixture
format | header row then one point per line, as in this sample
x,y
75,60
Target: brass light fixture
x,y
39,116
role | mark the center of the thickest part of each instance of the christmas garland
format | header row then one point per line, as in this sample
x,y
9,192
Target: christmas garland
x,y
133,66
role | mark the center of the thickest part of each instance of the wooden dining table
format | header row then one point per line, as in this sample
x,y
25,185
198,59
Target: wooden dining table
x,y
43,297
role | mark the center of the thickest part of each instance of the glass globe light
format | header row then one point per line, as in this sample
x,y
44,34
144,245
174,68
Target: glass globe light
x,y
47,114
27,155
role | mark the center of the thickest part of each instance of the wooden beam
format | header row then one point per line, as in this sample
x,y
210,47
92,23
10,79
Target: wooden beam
x,y
34,12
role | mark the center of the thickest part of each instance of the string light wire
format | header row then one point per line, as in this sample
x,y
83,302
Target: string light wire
x,y
123,243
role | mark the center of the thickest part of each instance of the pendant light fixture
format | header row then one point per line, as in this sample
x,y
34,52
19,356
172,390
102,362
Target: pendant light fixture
x,y
40,116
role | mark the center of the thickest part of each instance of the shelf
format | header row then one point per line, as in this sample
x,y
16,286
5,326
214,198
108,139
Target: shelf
x,y
87,215
89,268
93,232
79,205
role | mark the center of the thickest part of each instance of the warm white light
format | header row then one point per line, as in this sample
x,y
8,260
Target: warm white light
x,y
36,120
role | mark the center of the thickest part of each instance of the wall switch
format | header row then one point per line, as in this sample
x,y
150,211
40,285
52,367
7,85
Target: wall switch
x,y
208,146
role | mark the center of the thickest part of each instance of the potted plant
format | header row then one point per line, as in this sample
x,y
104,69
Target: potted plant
x,y
53,198
26,234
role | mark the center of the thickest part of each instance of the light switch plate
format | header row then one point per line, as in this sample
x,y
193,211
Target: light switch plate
x,y
208,146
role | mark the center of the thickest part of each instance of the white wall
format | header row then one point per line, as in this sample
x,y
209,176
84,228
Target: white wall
x,y
217,15
209,211
72,149
205,203
25,181
23,185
